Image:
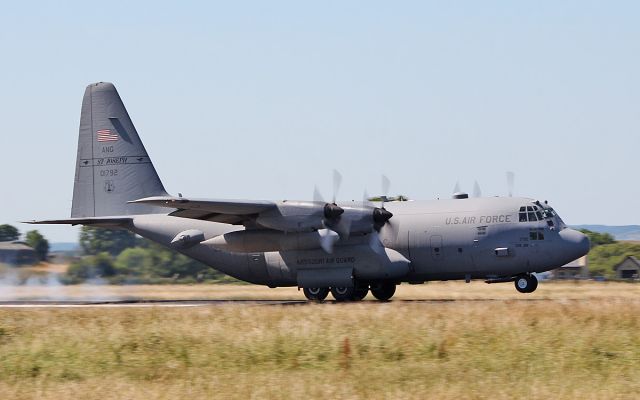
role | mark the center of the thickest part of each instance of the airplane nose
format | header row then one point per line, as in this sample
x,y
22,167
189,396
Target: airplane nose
x,y
578,242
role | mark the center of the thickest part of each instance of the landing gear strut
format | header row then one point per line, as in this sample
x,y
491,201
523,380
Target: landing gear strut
x,y
383,291
316,294
526,283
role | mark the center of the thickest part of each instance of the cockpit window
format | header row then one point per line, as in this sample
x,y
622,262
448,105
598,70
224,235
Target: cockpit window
x,y
531,214
549,213
523,214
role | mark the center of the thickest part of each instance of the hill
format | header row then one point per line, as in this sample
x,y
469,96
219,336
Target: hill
x,y
621,232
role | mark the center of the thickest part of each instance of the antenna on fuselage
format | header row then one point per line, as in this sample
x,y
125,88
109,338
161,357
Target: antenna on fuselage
x,y
476,190
386,184
511,178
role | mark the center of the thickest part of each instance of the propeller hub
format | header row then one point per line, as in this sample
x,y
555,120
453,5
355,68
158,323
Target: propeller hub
x,y
380,215
332,211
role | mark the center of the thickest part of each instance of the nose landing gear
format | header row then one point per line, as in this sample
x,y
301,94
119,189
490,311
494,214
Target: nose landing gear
x,y
526,283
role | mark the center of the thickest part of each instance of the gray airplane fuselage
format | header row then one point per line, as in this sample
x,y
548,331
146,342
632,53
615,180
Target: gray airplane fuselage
x,y
473,238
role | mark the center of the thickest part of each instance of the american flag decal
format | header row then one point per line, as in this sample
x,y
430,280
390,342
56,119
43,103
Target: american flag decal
x,y
105,135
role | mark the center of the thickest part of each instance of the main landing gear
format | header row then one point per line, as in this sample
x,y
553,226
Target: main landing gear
x,y
381,291
316,294
526,283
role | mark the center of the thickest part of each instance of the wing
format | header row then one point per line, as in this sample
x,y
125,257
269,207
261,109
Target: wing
x,y
236,212
99,221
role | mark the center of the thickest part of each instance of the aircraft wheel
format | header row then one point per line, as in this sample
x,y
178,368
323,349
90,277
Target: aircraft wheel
x,y
360,292
534,283
526,283
342,293
316,294
383,291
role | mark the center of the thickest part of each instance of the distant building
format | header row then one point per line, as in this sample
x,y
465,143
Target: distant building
x,y
17,253
576,269
629,268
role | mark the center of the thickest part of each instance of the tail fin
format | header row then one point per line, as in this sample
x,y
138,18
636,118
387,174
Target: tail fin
x,y
113,166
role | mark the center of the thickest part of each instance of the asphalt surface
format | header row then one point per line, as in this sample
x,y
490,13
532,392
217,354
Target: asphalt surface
x,y
139,303
206,302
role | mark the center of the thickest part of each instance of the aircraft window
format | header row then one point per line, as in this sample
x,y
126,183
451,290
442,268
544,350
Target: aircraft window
x,y
549,213
529,208
532,216
522,209
536,234
523,216
539,215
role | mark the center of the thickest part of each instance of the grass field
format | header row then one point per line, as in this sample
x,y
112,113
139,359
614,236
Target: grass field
x,y
576,341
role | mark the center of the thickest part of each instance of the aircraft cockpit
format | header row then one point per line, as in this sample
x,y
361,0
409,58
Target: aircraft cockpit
x,y
541,212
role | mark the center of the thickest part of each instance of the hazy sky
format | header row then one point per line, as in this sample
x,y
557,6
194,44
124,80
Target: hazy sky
x,y
263,99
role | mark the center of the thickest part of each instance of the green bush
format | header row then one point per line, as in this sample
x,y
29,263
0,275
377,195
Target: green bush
x,y
92,267
603,258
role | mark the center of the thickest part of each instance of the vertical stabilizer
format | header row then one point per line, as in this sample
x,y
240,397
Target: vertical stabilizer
x,y
113,166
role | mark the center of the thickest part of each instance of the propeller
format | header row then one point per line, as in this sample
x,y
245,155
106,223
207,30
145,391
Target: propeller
x,y
381,215
336,227
456,188
337,181
375,243
476,190
386,184
328,239
317,196
511,178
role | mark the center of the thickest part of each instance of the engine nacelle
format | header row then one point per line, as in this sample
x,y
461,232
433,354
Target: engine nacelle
x,y
300,216
293,216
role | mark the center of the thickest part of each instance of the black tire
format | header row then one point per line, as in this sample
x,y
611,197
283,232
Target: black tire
x,y
316,294
534,283
342,293
526,283
383,291
360,292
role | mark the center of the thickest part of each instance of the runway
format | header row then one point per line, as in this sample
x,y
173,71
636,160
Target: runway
x,y
218,302
139,303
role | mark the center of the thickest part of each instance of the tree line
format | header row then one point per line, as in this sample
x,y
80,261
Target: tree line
x,y
9,233
120,256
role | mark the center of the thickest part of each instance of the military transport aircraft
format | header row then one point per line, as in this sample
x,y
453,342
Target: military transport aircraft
x,y
346,248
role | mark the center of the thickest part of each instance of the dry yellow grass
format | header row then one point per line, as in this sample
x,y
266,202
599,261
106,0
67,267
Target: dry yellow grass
x,y
587,348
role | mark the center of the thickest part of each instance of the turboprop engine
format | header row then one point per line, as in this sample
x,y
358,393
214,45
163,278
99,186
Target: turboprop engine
x,y
302,216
